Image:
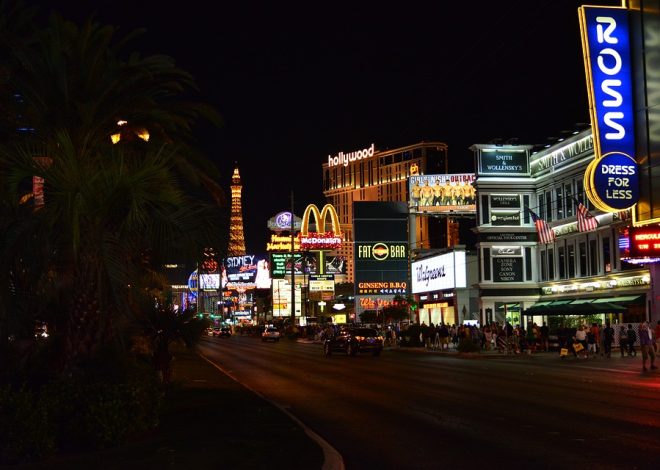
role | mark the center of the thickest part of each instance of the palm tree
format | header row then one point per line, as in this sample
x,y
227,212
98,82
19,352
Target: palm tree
x,y
113,213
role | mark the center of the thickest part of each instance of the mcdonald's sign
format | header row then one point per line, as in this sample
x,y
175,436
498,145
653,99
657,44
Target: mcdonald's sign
x,y
321,239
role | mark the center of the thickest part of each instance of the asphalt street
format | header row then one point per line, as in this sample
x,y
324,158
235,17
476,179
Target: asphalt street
x,y
411,408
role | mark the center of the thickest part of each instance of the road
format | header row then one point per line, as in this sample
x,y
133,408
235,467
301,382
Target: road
x,y
416,409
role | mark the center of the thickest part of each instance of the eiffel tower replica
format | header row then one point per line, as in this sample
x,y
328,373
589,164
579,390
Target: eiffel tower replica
x,y
236,238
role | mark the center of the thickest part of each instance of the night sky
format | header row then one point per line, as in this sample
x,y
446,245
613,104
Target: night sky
x,y
297,82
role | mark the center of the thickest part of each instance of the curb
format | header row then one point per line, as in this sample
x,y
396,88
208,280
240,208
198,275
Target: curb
x,y
332,459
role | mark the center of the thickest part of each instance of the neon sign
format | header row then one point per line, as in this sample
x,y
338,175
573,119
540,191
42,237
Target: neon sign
x,y
611,180
320,240
345,158
645,242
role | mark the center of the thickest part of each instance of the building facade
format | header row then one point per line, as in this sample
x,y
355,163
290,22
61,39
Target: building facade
x,y
536,262
380,175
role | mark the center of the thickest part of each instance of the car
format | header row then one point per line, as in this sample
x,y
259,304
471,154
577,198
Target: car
x,y
216,331
209,332
354,340
270,334
225,331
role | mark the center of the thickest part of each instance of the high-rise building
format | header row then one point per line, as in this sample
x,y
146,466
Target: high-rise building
x,y
381,175
236,235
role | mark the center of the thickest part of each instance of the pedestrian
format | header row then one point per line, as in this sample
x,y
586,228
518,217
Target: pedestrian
x,y
545,335
581,338
591,342
608,339
646,343
632,338
623,340
657,336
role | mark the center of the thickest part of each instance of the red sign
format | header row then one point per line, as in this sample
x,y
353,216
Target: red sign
x,y
644,242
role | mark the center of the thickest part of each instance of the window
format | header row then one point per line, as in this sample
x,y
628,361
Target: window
x,y
528,263
561,255
607,255
544,267
541,206
551,264
559,199
548,206
583,259
593,257
568,192
486,264
571,261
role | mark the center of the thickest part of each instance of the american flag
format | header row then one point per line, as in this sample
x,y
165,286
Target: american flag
x,y
585,220
546,234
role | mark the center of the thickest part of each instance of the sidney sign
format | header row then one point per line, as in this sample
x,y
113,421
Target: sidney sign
x,y
611,180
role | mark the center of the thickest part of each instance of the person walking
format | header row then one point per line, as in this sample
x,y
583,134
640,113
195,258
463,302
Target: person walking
x,y
581,338
657,336
632,338
646,343
608,339
545,334
623,340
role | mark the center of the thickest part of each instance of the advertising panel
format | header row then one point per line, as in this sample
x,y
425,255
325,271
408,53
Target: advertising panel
x,y
282,298
507,269
248,271
442,193
611,180
305,263
644,242
503,162
446,271
381,247
209,281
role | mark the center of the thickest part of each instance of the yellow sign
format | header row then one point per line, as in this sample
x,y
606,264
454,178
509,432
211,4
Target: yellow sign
x,y
320,219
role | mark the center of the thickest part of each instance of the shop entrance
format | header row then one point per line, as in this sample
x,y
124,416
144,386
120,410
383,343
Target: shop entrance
x,y
508,311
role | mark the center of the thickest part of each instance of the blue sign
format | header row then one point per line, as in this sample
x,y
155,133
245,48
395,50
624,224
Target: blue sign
x,y
616,181
607,57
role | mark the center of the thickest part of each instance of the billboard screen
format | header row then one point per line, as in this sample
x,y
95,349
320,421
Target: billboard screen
x,y
447,271
248,271
380,247
442,193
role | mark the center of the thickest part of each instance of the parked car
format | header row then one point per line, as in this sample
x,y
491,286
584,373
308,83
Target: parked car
x,y
353,341
270,334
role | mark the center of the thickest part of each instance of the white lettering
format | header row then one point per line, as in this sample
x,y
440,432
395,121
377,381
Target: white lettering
x,y
617,61
345,158
606,86
620,130
606,35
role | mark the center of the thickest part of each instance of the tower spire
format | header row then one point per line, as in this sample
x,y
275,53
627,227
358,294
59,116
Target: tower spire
x,y
236,237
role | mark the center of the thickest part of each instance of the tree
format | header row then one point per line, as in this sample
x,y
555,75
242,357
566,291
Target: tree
x,y
113,214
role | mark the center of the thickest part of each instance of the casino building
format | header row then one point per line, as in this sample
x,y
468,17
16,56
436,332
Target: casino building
x,y
372,174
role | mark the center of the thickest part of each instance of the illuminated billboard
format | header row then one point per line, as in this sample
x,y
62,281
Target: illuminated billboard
x,y
305,263
320,239
644,242
381,247
611,180
442,193
447,271
247,271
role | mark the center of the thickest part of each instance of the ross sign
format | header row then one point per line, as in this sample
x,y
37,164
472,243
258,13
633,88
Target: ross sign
x,y
507,269
447,271
503,162
611,180
644,242
345,158
442,193
321,239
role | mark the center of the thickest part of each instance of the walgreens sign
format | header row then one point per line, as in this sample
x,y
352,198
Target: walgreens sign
x,y
448,271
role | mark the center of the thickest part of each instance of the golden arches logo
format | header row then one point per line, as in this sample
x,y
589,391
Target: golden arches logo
x,y
320,219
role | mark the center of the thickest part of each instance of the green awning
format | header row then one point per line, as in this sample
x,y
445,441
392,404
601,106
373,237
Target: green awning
x,y
584,306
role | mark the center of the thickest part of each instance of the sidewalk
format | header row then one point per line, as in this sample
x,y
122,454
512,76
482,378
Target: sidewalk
x,y
210,421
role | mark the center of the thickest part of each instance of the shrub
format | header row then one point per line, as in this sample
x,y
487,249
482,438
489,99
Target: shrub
x,y
467,345
25,431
